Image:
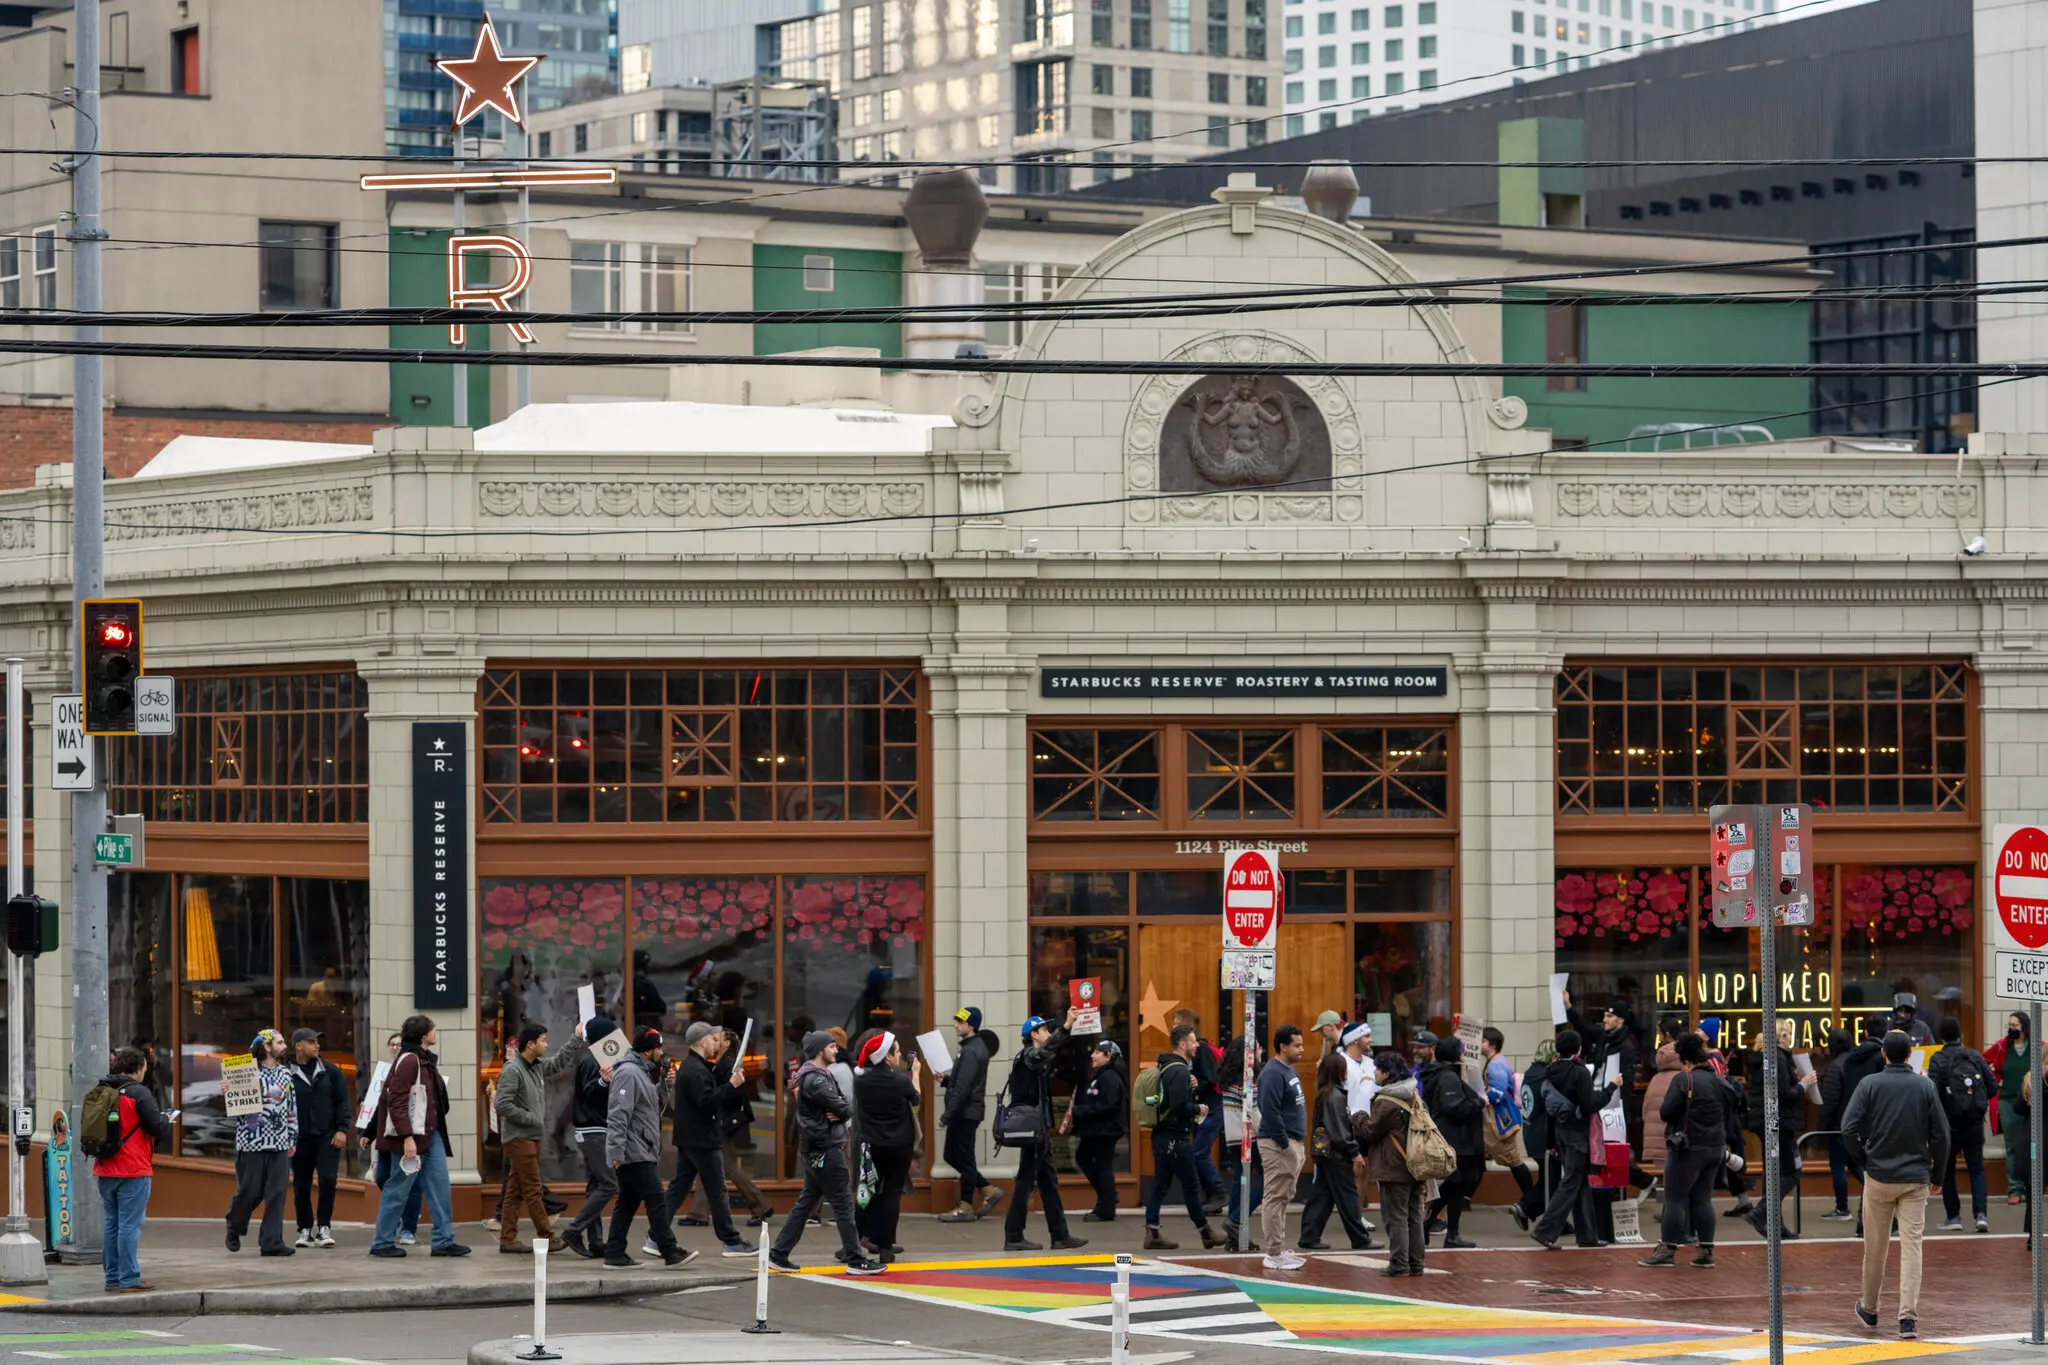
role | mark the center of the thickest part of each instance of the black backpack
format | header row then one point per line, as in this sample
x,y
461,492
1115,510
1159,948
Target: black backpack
x,y
1966,1089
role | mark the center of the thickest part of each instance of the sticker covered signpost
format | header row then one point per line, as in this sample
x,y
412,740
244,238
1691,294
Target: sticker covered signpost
x,y
1252,896
2018,887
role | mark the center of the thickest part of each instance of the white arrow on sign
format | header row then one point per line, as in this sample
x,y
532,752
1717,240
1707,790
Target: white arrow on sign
x,y
156,706
71,749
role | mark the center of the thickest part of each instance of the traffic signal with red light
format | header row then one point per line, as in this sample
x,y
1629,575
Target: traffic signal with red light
x,y
31,926
110,657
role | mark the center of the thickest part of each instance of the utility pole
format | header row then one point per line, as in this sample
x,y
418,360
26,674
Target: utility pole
x,y
88,571
21,1251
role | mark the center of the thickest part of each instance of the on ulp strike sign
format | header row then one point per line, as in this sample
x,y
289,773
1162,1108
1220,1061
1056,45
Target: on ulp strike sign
x,y
1251,900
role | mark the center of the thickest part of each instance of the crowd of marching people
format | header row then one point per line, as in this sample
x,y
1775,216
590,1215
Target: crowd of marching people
x,y
1415,1123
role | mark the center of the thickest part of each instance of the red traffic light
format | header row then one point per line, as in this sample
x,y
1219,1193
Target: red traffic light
x,y
116,633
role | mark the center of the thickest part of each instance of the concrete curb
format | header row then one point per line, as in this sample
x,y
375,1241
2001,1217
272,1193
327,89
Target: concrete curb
x,y
200,1302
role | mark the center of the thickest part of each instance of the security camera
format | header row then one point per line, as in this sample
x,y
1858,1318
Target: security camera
x,y
1975,547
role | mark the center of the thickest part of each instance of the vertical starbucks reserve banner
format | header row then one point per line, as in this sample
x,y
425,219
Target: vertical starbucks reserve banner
x,y
1293,681
440,865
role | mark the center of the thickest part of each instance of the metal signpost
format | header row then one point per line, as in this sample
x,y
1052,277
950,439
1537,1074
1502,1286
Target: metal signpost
x,y
1251,924
2019,904
21,1255
1762,866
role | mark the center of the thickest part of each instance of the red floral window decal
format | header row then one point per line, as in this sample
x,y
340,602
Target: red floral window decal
x,y
855,912
553,920
1627,905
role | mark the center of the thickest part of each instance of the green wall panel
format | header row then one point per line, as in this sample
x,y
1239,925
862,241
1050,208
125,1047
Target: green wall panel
x,y
1606,410
860,279
419,279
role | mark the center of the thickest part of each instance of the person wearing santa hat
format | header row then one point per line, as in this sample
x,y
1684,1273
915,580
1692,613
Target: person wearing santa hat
x,y
886,1095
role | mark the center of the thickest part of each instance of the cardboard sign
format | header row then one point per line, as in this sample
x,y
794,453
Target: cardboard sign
x,y
372,1093
612,1048
1085,995
241,1087
586,1003
932,1047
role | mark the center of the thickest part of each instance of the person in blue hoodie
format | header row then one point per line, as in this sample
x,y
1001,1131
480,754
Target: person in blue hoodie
x,y
1504,1109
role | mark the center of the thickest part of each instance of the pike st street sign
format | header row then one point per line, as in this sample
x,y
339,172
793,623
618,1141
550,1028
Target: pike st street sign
x,y
113,850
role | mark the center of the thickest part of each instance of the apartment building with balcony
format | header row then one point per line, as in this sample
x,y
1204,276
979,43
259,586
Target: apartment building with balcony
x,y
662,129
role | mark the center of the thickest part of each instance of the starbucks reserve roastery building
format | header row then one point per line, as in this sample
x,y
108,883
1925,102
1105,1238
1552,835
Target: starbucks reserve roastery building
x,y
831,715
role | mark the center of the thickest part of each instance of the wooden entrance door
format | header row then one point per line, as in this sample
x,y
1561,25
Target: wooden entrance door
x,y
1314,975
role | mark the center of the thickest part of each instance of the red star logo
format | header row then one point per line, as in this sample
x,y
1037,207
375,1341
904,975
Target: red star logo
x,y
489,79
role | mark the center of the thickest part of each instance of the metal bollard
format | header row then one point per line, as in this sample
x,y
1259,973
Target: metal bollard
x,y
540,1349
1120,1312
761,1327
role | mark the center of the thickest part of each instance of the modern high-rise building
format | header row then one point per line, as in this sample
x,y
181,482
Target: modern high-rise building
x,y
578,38
1070,89
1350,59
696,42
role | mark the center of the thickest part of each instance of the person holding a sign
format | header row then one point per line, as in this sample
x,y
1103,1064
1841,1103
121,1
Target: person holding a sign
x,y
702,1103
1030,1090
1570,1101
265,1138
522,1119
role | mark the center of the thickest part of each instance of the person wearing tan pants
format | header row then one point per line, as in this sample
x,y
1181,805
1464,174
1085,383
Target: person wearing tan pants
x,y
1896,1129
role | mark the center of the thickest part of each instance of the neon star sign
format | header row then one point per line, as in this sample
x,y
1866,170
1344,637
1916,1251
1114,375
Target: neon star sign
x,y
488,78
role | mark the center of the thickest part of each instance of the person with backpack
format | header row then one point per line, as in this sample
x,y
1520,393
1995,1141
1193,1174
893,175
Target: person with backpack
x,y
1209,1095
1460,1115
1965,1082
1834,1098
1570,1101
1334,1147
265,1142
324,1116
821,1118
1283,1142
966,1087
1536,1136
1692,1114
1385,1131
1028,1093
1166,1097
119,1128
1098,1118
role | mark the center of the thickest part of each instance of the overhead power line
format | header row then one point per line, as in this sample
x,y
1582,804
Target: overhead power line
x,y
1341,483
390,355
1079,310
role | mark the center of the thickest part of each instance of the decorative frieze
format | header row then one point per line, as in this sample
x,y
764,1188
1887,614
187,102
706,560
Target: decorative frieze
x,y
1830,501
708,500
258,512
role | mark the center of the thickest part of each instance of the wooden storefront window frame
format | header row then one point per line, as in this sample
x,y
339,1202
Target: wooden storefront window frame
x,y
599,833
1911,824
627,850
1308,778
265,832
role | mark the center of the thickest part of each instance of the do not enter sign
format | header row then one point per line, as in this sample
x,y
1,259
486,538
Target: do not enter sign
x,y
2019,888
1251,898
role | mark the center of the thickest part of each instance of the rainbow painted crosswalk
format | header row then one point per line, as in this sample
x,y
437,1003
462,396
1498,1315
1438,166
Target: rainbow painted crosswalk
x,y
1183,1301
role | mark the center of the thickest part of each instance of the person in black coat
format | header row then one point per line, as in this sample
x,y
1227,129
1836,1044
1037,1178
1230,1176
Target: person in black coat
x,y
1459,1113
1536,1137
590,1098
1031,1084
966,1087
886,1096
1696,1135
1834,1101
325,1116
1098,1118
702,1102
1336,1182
1570,1101
1791,1121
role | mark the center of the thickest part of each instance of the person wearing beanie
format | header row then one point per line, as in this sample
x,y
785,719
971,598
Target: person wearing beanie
x,y
264,1144
589,1103
1570,1101
703,1101
1965,1083
822,1112
633,1146
966,1087
1460,1115
886,1096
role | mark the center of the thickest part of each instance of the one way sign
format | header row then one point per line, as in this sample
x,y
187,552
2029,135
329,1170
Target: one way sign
x,y
71,749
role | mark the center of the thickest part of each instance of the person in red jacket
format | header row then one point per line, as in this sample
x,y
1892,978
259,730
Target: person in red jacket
x,y
124,1177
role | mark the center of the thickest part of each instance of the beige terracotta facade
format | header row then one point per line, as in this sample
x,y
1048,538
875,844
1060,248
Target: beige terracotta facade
x,y
1451,537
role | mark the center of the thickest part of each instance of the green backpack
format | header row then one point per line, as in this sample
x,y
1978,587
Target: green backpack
x,y
99,1124
1150,1091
